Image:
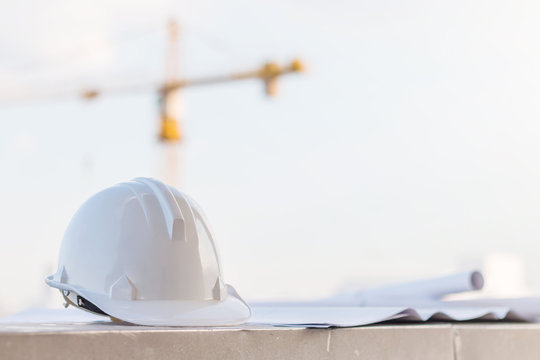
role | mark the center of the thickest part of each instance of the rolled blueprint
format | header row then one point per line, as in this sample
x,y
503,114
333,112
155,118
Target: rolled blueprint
x,y
412,292
405,294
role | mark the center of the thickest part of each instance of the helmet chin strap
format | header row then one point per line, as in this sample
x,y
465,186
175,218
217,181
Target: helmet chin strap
x,y
78,301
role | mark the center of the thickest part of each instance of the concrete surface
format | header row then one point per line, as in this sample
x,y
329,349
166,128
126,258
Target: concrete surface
x,y
112,341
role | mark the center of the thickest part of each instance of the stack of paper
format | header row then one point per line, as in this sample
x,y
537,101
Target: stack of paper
x,y
322,317
414,301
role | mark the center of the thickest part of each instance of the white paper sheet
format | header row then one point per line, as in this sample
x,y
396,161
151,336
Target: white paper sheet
x,y
527,307
359,316
322,317
54,316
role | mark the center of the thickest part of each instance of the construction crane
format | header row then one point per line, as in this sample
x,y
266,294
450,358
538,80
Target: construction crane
x,y
170,91
169,94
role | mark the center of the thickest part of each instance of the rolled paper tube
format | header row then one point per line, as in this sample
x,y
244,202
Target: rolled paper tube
x,y
404,294
421,291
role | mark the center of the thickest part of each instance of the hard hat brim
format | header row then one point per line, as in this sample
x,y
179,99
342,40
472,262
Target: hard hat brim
x,y
230,311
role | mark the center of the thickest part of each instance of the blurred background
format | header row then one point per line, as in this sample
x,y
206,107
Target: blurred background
x,y
408,147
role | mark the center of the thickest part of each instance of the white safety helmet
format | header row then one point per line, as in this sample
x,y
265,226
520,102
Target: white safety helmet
x,y
143,252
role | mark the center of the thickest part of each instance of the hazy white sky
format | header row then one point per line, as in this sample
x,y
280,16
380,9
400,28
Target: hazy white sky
x,y
409,149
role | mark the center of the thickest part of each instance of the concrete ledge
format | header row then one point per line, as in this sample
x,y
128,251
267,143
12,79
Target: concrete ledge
x,y
110,341
472,341
497,341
